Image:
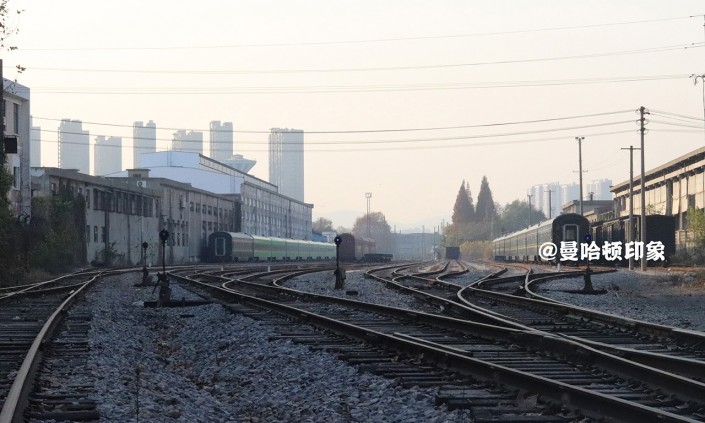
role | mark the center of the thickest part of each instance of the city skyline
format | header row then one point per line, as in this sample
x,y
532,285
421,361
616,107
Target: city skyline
x,y
450,93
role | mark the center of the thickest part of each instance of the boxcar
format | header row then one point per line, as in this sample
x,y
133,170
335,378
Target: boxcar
x,y
354,248
452,253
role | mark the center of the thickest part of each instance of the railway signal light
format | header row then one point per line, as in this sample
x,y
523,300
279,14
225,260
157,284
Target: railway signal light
x,y
164,235
337,240
588,238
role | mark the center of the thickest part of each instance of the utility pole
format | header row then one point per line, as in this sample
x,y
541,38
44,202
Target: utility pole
x,y
2,120
529,195
642,122
580,170
630,232
695,82
368,195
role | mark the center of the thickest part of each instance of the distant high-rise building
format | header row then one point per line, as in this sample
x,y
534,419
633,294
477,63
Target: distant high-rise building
x,y
221,140
107,155
188,141
144,140
570,192
547,198
73,146
35,146
600,190
286,161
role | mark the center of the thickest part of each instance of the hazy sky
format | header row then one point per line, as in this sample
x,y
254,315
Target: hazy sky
x,y
408,97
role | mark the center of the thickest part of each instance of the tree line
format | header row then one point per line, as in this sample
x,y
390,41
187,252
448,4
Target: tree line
x,y
51,240
473,226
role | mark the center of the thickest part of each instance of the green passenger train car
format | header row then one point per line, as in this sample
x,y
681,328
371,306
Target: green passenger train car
x,y
240,247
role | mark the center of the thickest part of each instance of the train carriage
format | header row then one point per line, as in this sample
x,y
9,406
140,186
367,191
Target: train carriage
x,y
524,245
239,247
262,248
354,248
228,246
659,228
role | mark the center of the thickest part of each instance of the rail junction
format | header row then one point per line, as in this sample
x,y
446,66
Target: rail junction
x,y
490,345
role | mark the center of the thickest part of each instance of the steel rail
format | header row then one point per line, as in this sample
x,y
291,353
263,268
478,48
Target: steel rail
x,y
669,362
597,404
15,403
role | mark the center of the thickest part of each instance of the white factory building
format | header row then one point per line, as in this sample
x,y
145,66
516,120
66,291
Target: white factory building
x,y
265,211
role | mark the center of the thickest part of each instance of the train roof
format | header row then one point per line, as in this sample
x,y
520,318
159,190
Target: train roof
x,y
538,225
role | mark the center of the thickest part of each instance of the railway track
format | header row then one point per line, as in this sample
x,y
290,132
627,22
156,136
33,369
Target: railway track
x,y
43,340
668,348
560,371
501,301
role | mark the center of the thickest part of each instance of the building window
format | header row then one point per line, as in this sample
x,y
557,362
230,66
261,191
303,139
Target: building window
x,y
210,226
88,198
16,117
102,234
178,239
16,175
191,206
95,234
210,210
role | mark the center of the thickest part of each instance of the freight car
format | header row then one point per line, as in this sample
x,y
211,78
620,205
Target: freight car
x,y
241,247
658,228
354,248
524,245
452,253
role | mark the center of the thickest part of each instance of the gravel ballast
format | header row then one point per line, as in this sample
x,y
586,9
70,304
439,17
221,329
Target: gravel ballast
x,y
205,364
672,298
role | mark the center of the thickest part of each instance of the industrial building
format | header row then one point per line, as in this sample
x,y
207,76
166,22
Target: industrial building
x,y
122,213
17,146
671,189
265,210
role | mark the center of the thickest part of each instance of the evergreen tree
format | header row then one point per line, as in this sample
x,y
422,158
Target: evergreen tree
x,y
485,210
471,215
379,230
462,210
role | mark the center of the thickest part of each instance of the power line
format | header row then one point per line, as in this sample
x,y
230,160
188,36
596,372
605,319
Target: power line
x,y
421,147
342,89
437,128
661,112
395,141
675,124
371,69
373,40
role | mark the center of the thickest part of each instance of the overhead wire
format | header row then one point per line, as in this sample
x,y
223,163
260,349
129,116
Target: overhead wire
x,y
343,89
357,131
368,69
373,40
390,142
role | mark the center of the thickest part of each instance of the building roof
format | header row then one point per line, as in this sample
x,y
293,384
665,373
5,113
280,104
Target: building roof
x,y
675,165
